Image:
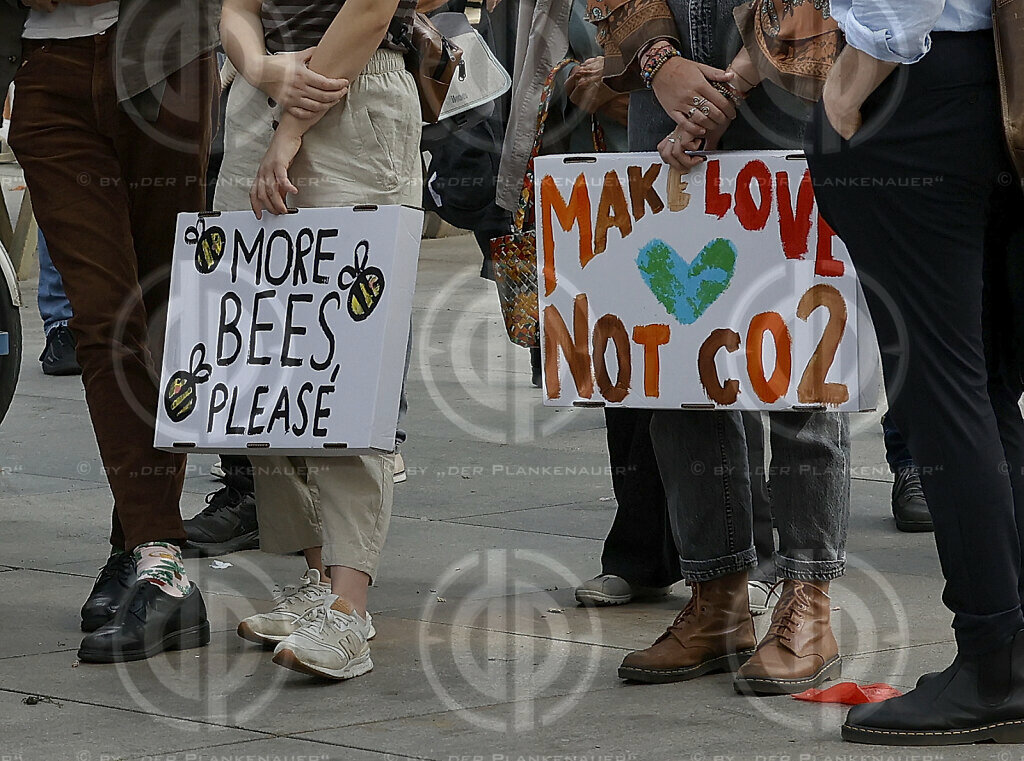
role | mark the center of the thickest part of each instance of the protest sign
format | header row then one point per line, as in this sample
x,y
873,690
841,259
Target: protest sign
x,y
289,334
721,288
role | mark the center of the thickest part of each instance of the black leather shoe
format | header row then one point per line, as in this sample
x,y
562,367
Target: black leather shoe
x,y
909,506
149,622
58,357
115,581
228,524
977,699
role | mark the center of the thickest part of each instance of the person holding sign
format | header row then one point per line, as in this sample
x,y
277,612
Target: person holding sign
x,y
343,130
912,171
681,90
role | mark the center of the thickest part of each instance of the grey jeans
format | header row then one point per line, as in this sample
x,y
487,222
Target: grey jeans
x,y
706,468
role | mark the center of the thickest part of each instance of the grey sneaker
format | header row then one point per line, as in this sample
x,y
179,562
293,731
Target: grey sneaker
x,y
614,590
762,596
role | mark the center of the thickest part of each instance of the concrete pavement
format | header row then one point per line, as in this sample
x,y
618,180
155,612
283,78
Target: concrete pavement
x,y
481,651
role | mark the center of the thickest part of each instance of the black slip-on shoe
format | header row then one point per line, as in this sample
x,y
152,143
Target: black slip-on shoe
x,y
149,622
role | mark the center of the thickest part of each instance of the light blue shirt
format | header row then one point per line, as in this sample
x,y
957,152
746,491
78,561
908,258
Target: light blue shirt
x,y
899,31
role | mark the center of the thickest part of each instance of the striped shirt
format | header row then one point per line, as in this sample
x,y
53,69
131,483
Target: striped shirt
x,y
290,26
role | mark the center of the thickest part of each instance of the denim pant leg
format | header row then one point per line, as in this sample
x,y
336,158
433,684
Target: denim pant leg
x,y
760,499
810,487
702,457
54,307
897,454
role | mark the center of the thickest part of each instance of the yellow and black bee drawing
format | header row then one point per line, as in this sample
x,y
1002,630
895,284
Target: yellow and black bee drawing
x,y
366,284
209,243
180,394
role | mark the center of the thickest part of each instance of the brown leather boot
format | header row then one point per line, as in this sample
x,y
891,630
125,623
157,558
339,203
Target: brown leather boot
x,y
714,632
799,651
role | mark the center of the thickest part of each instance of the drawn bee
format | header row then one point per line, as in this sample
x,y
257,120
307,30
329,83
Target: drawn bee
x,y
367,284
209,243
180,394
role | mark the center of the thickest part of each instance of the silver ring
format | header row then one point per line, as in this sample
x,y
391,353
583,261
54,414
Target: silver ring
x,y
706,110
698,102
672,140
691,112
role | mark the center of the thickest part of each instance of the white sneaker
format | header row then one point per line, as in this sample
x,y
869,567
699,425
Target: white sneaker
x,y
762,596
333,642
401,476
289,613
614,590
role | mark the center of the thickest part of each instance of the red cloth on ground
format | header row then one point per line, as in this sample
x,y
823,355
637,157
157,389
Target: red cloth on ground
x,y
850,693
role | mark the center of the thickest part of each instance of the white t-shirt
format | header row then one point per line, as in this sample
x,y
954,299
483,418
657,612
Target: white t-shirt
x,y
69,21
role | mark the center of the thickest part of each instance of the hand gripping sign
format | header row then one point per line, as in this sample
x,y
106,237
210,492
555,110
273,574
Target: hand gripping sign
x,y
288,335
722,288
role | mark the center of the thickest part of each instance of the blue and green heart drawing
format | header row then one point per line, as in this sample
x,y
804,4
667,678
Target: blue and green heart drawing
x,y
687,289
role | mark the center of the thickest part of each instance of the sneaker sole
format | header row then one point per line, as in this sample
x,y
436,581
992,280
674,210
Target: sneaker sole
x,y
915,527
724,663
291,661
1003,732
249,541
249,634
270,641
401,478
600,599
758,686
62,371
186,639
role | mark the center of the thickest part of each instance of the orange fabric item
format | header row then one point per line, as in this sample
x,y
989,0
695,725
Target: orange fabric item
x,y
850,694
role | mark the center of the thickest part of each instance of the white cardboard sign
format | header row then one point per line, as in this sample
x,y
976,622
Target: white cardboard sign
x,y
722,288
289,334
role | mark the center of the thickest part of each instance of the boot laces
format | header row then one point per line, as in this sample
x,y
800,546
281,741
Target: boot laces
x,y
910,484
691,610
788,613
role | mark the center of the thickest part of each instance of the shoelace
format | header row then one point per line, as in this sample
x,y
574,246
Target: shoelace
x,y
910,485
218,500
689,610
307,590
318,611
784,624
118,567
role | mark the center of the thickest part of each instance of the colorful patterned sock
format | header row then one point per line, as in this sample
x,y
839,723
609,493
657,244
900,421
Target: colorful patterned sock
x,y
161,564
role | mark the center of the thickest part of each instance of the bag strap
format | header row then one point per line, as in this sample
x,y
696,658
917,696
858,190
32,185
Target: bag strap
x,y
524,212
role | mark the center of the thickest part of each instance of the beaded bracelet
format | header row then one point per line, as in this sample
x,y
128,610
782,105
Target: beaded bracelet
x,y
728,92
655,61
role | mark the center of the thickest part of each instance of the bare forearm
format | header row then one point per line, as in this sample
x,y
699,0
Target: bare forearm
x,y
241,31
854,76
352,38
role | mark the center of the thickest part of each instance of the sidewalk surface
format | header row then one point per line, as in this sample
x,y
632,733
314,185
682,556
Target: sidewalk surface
x,y
481,650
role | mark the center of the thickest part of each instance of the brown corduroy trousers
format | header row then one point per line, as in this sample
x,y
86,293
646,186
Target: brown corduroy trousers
x,y
107,186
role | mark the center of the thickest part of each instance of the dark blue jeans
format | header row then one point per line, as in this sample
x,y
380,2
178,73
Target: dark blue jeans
x,y
897,454
54,307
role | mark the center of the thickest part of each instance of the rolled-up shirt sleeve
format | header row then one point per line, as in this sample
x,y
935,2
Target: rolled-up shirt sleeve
x,y
897,31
